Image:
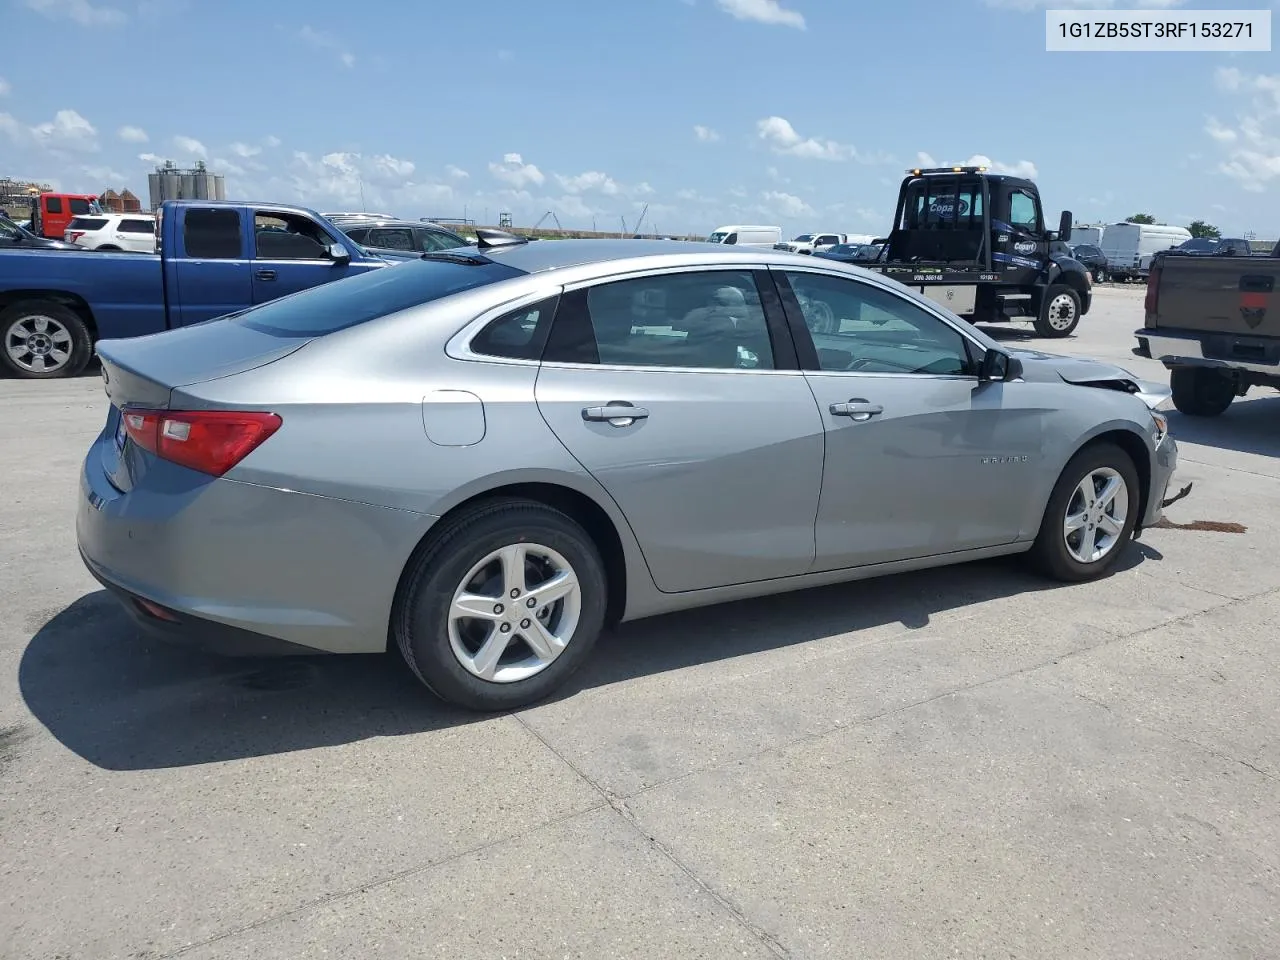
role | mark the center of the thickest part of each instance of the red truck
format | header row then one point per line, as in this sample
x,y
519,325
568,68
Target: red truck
x,y
52,212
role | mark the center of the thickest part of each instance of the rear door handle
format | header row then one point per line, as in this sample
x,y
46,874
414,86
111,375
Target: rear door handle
x,y
856,409
265,275
617,414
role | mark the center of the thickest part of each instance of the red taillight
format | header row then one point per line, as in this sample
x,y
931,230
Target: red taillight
x,y
74,235
211,441
1152,300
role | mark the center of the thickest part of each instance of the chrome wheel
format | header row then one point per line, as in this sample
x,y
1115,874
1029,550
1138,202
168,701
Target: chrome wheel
x,y
1061,313
38,344
1096,515
514,613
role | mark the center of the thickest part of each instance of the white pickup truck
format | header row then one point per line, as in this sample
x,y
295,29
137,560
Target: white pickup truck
x,y
821,242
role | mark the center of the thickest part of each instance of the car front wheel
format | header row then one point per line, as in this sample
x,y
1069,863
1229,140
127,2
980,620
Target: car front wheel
x,y
1090,516
503,606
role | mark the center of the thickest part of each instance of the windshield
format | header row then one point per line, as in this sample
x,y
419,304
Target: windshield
x,y
933,202
9,230
1198,244
379,293
717,237
804,238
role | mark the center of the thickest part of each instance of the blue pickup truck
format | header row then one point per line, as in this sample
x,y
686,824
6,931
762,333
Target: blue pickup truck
x,y
212,259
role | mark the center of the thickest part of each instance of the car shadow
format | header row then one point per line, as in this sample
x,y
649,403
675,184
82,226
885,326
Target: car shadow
x,y
1248,426
123,701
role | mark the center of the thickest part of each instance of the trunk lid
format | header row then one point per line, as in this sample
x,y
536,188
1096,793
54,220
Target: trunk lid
x,y
144,371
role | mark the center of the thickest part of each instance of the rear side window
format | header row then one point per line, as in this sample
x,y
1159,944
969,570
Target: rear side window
x,y
54,205
336,306
212,234
137,226
519,335
359,235
392,238
87,224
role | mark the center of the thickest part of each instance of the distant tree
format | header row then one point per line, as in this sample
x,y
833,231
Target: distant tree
x,y
1199,228
1141,218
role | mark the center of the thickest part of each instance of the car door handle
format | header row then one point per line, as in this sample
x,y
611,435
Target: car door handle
x,y
616,414
856,409
265,275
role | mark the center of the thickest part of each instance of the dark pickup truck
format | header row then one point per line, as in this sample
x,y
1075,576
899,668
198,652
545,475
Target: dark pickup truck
x,y
978,244
1214,322
212,259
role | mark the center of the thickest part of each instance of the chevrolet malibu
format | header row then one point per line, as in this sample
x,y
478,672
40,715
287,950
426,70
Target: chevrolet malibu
x,y
485,456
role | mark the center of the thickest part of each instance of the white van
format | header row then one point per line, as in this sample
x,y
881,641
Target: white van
x,y
1090,233
1129,247
746,236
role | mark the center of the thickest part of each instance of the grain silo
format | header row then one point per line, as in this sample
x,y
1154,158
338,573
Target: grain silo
x,y
198,183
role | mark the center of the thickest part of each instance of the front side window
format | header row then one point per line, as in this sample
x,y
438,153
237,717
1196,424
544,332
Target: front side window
x,y
54,204
701,320
287,236
861,328
440,240
9,230
1022,211
731,238
82,206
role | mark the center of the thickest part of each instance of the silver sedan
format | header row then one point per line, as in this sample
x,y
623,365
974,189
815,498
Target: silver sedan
x,y
488,455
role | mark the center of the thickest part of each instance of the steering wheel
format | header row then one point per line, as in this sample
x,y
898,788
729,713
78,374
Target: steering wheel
x,y
824,320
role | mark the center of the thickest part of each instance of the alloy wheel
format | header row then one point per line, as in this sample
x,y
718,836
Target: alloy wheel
x,y
514,613
38,343
1096,514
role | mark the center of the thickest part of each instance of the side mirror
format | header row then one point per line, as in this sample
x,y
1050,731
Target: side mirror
x,y
999,367
1064,225
338,253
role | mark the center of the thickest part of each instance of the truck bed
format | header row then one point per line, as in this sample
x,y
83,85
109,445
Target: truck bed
x,y
119,294
1233,296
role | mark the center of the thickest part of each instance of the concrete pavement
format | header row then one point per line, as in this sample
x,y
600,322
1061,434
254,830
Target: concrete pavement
x,y
964,763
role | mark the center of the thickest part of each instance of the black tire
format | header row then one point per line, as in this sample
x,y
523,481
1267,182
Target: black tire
x,y
1201,392
108,248
1049,554
1059,313
420,622
24,313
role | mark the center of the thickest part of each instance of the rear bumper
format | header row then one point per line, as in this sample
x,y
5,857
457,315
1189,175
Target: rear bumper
x,y
1260,355
244,568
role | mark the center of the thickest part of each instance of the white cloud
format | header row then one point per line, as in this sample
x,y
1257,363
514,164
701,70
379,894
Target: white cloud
x,y
1252,145
191,147
324,41
783,138
104,175
590,181
272,141
348,180
641,189
1022,168
705,134
457,173
132,134
67,132
762,11
244,150
785,204
83,12
228,167
5,87
514,171
151,158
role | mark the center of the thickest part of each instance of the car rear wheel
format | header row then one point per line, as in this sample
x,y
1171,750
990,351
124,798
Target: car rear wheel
x,y
503,605
43,340
1090,516
1060,312
1200,392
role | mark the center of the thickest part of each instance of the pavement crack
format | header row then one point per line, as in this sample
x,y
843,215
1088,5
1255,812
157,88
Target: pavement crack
x,y
340,895
619,806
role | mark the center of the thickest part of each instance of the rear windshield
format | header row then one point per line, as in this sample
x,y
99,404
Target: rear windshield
x,y
87,223
368,296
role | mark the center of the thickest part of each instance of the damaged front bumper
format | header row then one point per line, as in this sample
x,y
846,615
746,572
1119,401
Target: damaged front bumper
x,y
1164,464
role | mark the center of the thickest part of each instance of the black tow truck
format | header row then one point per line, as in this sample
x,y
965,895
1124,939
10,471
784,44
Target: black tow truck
x,y
975,242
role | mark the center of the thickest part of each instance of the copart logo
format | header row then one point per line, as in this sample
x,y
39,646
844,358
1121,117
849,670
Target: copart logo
x,y
948,207
1025,246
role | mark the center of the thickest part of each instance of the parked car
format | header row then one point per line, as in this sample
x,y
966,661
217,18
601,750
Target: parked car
x,y
128,232
1216,247
537,439
215,258
1129,247
812,242
408,236
853,252
1212,322
746,235
14,236
1091,256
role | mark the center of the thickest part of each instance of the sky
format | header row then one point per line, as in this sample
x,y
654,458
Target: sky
x,y
800,113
